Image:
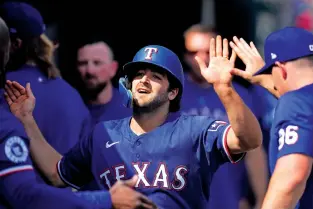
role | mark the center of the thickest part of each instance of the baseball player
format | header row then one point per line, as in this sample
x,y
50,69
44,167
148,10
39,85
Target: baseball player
x,y
61,122
288,58
19,187
172,154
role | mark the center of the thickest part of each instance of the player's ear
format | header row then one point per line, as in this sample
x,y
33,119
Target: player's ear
x,y
284,73
173,93
282,70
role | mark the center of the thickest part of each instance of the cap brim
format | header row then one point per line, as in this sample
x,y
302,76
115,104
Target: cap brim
x,y
266,69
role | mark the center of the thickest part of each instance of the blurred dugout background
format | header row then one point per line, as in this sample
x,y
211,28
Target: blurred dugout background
x,y
129,25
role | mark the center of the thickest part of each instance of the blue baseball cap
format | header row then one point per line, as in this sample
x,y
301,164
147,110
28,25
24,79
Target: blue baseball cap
x,y
286,44
22,19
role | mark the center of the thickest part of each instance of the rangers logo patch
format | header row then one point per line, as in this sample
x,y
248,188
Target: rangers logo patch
x,y
16,149
216,124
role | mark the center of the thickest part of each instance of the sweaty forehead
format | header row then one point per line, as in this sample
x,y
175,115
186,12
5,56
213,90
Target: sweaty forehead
x,y
94,51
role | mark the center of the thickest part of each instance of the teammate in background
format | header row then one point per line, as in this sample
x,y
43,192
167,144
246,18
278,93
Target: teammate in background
x,y
199,98
19,187
174,156
97,67
61,114
288,74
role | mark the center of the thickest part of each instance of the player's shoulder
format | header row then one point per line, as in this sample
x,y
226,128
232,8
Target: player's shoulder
x,y
297,97
296,103
116,124
194,122
190,118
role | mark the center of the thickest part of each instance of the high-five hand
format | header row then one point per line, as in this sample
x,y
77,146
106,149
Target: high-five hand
x,y
251,57
21,100
219,70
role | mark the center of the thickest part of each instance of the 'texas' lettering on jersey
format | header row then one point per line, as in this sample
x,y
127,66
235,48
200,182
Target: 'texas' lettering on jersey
x,y
161,178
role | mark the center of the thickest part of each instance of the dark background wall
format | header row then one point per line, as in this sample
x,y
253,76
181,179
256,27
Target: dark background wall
x,y
129,25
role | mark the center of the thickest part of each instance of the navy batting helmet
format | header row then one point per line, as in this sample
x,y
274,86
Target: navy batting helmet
x,y
158,56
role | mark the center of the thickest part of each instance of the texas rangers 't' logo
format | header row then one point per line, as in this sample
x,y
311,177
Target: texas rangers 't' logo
x,y
149,52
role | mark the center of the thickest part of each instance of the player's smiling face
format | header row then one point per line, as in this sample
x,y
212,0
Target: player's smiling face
x,y
150,88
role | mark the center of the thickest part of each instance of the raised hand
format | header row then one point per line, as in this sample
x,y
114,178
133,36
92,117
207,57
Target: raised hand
x,y
251,57
21,100
219,70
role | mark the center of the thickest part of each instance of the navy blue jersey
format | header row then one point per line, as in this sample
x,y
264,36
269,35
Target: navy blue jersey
x,y
179,157
60,112
292,132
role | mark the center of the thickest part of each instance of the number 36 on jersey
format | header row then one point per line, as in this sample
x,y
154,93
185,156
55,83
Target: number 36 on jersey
x,y
287,136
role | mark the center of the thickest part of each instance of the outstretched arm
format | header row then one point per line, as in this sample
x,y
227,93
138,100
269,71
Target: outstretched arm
x,y
22,103
245,133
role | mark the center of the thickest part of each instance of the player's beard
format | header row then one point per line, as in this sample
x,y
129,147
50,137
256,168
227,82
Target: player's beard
x,y
93,92
150,107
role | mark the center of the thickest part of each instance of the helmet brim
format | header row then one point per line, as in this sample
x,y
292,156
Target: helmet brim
x,y
131,67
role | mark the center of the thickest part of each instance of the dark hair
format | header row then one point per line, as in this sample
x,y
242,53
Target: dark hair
x,y
174,83
93,39
37,49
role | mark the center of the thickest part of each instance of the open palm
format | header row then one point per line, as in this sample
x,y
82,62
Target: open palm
x,y
219,69
249,55
21,100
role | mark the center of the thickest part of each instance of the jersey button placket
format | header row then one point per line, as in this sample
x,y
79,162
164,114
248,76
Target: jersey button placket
x,y
137,149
